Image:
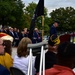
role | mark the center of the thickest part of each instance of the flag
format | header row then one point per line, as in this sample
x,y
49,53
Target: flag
x,y
38,12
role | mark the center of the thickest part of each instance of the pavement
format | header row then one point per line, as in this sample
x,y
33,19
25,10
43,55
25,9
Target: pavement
x,y
14,51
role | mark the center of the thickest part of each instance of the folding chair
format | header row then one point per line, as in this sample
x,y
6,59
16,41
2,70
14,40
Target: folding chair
x,y
16,71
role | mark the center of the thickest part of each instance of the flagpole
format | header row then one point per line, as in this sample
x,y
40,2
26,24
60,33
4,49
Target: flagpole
x,y
42,28
38,12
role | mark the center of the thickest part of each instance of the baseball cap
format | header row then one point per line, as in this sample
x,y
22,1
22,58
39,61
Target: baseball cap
x,y
53,40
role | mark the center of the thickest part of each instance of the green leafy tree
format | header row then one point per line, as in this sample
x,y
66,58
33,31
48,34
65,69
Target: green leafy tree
x,y
66,17
29,11
6,8
11,13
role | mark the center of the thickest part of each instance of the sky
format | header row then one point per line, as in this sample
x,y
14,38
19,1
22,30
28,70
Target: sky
x,y
53,4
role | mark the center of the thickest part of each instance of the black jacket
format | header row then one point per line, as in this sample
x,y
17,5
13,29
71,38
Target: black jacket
x,y
50,60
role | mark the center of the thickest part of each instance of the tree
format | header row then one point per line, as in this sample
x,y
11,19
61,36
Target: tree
x,y
65,16
11,12
5,10
29,11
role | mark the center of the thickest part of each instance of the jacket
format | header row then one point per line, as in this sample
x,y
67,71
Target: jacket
x,y
59,70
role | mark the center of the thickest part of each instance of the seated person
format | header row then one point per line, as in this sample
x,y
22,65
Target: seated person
x,y
21,60
3,70
65,60
5,59
7,41
36,36
50,55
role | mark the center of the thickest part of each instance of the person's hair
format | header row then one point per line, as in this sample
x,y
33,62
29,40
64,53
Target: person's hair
x,y
22,47
8,46
66,50
56,22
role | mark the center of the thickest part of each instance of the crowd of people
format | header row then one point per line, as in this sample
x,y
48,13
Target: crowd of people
x,y
59,58
19,34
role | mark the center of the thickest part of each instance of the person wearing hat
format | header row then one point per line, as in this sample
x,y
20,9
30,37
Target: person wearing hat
x,y
50,55
7,40
5,58
53,29
65,60
3,70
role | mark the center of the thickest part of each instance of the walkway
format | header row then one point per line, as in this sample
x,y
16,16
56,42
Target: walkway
x,y
14,49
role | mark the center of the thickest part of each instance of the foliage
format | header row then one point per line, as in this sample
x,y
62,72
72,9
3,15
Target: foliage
x,y
66,17
11,12
15,14
19,14
29,11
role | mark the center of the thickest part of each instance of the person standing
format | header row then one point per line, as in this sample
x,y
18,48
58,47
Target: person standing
x,y
53,29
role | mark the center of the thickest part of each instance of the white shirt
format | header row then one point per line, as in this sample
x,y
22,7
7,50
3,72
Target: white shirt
x,y
23,62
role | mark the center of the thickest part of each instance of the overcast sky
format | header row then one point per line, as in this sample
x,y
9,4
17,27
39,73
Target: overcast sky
x,y
53,4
